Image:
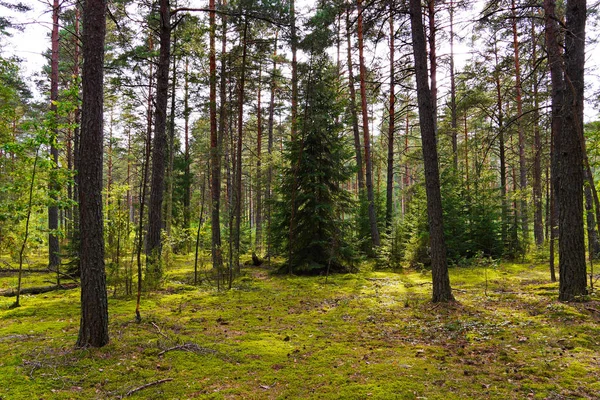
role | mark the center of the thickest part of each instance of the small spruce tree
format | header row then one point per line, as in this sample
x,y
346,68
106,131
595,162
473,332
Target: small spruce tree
x,y
315,206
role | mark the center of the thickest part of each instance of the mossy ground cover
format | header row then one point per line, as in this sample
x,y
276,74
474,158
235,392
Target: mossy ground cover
x,y
355,336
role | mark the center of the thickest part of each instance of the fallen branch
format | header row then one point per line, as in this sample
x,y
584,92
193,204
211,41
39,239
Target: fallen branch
x,y
147,385
38,289
159,331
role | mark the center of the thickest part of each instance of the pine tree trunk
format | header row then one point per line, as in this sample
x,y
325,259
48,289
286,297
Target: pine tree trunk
x,y
270,146
389,201
258,204
54,188
171,148
238,166
520,123
538,223
360,173
442,291
502,151
375,241
187,194
453,116
154,269
569,155
93,329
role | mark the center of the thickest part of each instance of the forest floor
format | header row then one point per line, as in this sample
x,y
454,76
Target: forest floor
x,y
369,335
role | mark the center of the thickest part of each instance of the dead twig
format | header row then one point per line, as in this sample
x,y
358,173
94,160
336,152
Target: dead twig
x,y
192,347
147,385
159,331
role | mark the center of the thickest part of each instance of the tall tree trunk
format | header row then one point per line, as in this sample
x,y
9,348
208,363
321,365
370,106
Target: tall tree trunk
x,y
93,328
258,204
442,291
154,269
538,223
522,160
270,145
389,201
360,173
375,241
432,59
238,166
171,148
54,187
215,149
76,134
571,245
187,194
453,116
501,147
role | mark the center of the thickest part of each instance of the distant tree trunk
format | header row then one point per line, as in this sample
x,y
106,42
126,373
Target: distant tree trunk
x,y
294,117
270,127
501,147
522,160
154,270
360,173
453,116
238,166
258,204
215,148
392,116
442,291
375,241
171,148
187,195
76,133
432,59
93,329
538,223
54,188
592,231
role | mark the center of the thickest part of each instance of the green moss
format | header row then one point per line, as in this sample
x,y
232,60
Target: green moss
x,y
354,336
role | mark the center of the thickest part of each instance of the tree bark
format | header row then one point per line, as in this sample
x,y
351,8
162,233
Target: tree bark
x,y
538,223
571,244
442,291
54,188
453,116
258,204
375,241
522,160
389,200
154,270
93,329
360,172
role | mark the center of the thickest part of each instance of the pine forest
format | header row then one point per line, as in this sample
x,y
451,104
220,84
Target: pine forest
x,y
282,199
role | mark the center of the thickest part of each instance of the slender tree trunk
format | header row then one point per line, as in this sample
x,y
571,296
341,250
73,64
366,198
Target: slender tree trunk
x,y
54,188
258,204
389,203
93,329
154,269
375,241
592,232
442,291
76,133
432,59
538,223
294,117
171,148
522,160
144,186
360,173
186,150
501,147
238,166
453,116
270,145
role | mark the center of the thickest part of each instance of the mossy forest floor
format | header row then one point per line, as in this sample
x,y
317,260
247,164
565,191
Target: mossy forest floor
x,y
370,335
